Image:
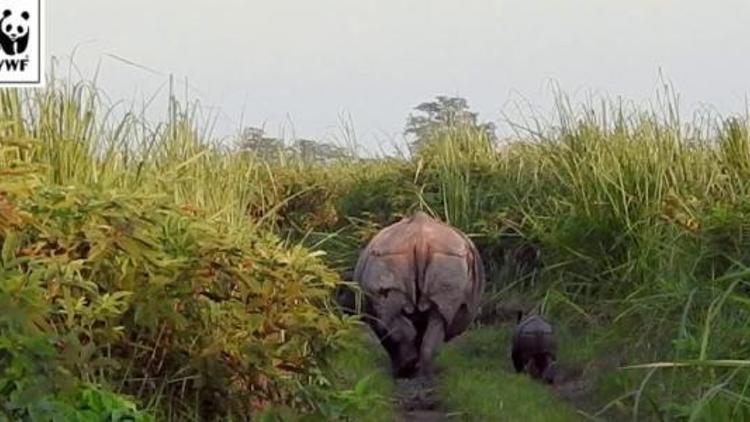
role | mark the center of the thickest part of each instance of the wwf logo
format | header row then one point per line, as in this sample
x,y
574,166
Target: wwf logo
x,y
14,32
22,43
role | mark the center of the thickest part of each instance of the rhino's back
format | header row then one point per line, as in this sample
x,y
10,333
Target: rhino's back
x,y
428,261
534,335
403,237
534,324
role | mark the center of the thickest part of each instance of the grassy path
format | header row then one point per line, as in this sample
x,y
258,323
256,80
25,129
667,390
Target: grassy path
x,y
475,383
417,400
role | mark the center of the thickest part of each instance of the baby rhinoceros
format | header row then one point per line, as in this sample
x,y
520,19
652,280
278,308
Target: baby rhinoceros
x,y
535,348
422,281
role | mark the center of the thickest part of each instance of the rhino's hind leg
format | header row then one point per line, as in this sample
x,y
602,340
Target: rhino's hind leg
x,y
518,362
533,366
400,344
550,371
434,336
544,364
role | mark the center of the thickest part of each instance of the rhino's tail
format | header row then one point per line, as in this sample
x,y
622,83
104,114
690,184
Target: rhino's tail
x,y
421,260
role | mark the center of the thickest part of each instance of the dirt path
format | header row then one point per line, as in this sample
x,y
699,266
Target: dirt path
x,y
416,400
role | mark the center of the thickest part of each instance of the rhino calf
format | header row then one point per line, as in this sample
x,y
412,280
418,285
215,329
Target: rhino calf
x,y
534,348
422,281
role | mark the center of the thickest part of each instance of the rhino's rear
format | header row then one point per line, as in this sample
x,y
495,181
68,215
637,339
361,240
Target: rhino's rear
x,y
419,263
533,341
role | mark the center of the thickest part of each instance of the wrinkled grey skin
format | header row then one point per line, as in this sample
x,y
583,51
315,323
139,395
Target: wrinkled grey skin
x,y
534,348
422,281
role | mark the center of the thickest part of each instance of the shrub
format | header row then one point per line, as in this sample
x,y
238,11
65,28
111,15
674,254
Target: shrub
x,y
132,293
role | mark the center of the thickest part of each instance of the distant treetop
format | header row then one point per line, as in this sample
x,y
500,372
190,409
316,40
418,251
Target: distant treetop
x,y
443,113
254,140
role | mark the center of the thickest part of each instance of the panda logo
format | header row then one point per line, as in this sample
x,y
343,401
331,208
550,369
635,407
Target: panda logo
x,y
14,32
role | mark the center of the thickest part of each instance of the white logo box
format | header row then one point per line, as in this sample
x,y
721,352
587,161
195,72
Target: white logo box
x,y
22,35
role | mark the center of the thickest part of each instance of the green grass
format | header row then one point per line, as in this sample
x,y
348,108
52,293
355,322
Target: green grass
x,y
361,384
477,381
360,372
642,219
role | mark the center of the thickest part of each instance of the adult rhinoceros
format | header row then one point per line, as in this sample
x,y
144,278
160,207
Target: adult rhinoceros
x,y
422,280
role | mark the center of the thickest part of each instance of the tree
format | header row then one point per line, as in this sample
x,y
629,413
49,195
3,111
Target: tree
x,y
314,151
254,140
266,148
439,115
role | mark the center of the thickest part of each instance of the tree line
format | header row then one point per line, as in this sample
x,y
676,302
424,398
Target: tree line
x,y
429,121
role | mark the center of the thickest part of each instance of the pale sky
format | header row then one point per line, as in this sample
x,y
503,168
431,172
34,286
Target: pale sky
x,y
305,63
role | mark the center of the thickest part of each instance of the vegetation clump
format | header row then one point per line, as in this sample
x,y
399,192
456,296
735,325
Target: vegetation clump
x,y
135,294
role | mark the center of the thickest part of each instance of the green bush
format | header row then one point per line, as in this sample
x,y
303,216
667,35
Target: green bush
x,y
133,293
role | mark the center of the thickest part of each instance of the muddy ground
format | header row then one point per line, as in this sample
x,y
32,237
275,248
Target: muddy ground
x,y
416,399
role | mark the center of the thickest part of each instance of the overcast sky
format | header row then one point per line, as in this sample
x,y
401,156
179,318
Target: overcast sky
x,y
308,61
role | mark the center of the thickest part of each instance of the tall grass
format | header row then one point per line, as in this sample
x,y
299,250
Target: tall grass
x,y
139,262
641,219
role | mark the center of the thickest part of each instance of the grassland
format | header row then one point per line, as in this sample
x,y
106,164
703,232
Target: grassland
x,y
478,383
641,219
